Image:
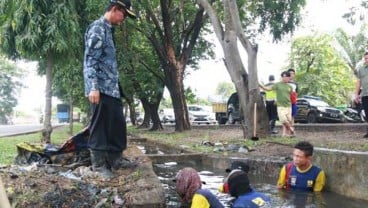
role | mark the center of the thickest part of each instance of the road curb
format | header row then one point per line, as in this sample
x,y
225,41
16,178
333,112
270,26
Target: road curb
x,y
29,132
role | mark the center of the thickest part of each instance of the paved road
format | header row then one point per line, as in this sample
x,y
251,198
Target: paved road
x,y
9,130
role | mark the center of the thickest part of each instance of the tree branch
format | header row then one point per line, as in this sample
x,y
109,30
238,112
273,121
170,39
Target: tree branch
x,y
219,31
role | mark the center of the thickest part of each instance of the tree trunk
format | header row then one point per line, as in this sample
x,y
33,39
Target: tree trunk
x,y
71,112
154,105
147,114
255,96
174,83
46,133
245,84
156,122
132,115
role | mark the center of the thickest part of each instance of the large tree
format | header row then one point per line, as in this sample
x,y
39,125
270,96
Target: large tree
x,y
242,21
141,74
173,28
9,86
43,31
321,70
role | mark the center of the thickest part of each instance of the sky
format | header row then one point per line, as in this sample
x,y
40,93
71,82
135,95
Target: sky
x,y
318,15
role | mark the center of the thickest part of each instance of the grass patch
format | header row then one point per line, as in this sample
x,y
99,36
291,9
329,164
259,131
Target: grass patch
x,y
194,138
8,149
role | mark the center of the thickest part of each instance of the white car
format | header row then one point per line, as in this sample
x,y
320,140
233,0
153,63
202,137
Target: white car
x,y
199,115
167,115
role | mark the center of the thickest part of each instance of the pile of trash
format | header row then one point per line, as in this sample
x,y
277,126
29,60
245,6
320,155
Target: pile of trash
x,y
60,176
72,154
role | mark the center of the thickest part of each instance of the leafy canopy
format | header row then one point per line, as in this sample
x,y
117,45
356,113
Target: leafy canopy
x,y
9,87
320,70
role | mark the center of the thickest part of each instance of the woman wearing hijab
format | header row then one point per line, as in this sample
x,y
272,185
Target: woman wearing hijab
x,y
188,187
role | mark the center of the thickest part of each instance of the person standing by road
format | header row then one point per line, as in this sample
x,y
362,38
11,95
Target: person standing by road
x,y
294,94
101,79
361,89
271,106
283,91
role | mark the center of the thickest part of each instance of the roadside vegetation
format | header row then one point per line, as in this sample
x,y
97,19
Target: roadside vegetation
x,y
200,140
205,140
195,139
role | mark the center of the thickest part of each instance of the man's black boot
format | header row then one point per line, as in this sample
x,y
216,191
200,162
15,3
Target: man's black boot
x,y
99,164
117,161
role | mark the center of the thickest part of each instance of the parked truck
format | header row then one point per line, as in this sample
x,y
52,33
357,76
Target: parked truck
x,y
228,112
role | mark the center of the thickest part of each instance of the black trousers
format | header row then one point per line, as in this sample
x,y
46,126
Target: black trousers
x,y
271,110
365,107
108,127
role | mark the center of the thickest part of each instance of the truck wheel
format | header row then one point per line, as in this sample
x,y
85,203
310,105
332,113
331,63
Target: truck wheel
x,y
231,119
222,120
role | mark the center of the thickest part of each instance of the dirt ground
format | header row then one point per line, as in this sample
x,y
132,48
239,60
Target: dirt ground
x,y
44,188
348,138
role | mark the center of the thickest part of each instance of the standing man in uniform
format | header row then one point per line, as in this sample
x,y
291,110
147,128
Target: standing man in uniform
x,y
271,105
101,79
362,84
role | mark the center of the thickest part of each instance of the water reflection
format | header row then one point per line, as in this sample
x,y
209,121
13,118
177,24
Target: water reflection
x,y
279,199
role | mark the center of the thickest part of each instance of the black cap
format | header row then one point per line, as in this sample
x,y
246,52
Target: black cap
x,y
238,165
126,5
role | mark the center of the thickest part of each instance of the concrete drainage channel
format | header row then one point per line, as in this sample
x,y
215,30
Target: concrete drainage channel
x,y
346,176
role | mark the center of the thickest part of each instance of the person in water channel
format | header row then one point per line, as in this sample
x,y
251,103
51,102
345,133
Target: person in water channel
x,y
301,174
245,196
189,188
236,166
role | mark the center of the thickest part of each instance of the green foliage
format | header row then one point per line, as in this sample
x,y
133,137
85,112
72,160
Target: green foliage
x,y
35,29
190,97
68,84
352,47
225,89
320,71
277,17
141,74
9,87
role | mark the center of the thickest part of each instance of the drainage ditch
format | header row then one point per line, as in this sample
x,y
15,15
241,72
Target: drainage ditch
x,y
167,161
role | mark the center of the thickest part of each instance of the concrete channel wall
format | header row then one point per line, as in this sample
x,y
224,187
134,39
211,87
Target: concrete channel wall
x,y
346,171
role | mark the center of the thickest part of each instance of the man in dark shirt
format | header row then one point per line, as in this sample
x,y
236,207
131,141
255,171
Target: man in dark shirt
x,y
107,128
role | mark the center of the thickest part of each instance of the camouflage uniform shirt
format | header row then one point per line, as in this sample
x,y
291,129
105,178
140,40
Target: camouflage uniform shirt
x,y
100,67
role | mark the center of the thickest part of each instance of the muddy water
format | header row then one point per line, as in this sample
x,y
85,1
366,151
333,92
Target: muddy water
x,y
213,179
